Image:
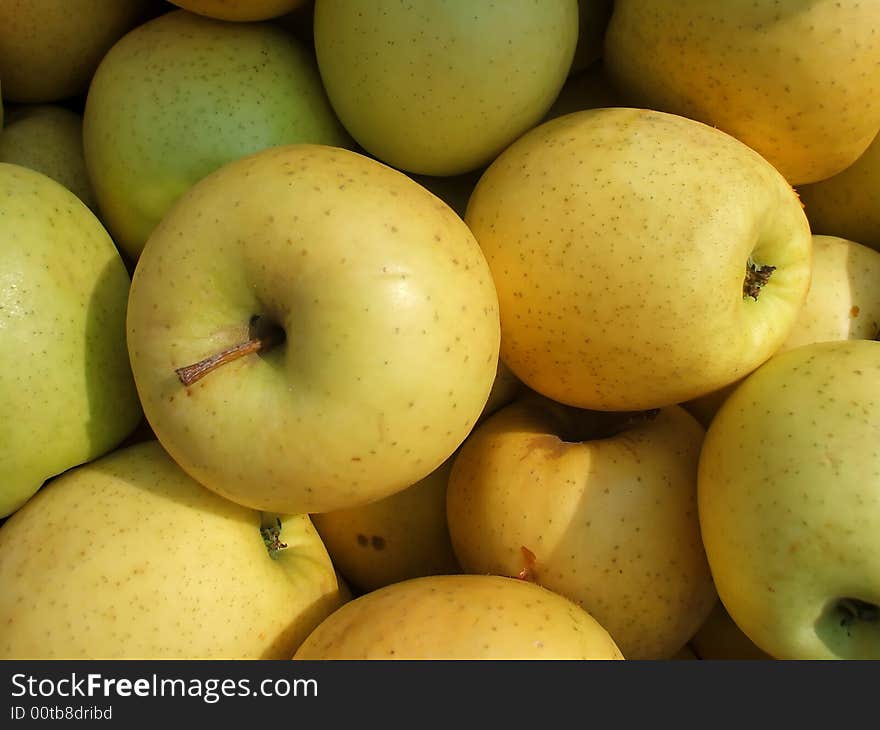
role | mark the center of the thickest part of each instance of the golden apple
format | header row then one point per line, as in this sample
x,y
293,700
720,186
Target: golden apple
x,y
459,617
599,508
641,259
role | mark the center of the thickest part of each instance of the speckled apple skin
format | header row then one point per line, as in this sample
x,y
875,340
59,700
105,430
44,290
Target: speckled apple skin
x,y
797,82
618,240
66,389
391,323
611,521
183,94
127,557
49,49
442,88
460,617
789,498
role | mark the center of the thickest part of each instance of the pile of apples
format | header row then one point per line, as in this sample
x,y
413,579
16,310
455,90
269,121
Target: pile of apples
x,y
467,329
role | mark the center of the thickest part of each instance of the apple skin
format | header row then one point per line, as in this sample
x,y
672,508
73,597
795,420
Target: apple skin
x,y
48,138
843,303
449,617
442,88
618,241
49,49
789,478
67,394
795,81
392,539
240,10
848,204
180,96
127,557
611,519
391,319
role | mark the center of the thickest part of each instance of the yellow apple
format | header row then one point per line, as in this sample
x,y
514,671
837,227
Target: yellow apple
x,y
795,81
441,88
600,508
66,390
392,539
365,313
789,478
459,617
50,49
127,557
843,303
627,247
848,204
48,138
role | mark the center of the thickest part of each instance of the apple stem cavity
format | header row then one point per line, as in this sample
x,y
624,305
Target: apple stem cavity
x,y
756,279
262,338
271,535
853,609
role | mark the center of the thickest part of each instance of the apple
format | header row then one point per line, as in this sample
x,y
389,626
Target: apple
x,y
600,508
49,49
392,539
181,95
129,558
848,204
48,138
323,343
442,88
589,89
788,486
66,390
459,617
641,259
720,638
240,10
795,81
843,303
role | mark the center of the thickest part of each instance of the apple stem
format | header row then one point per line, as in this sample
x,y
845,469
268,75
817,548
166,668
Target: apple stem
x,y
528,572
192,373
756,278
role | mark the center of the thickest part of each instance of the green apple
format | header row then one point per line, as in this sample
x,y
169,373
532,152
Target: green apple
x,y
392,539
181,95
843,303
641,258
848,204
459,617
600,508
720,638
361,312
442,88
788,488
240,10
66,389
48,138
129,558
795,81
49,49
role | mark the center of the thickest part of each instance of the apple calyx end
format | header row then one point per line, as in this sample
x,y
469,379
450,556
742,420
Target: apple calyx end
x,y
271,535
756,279
528,572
